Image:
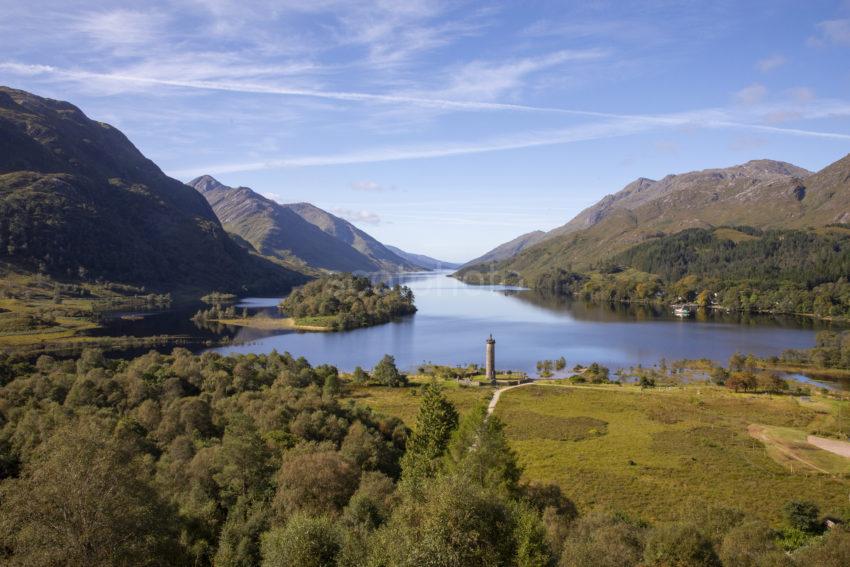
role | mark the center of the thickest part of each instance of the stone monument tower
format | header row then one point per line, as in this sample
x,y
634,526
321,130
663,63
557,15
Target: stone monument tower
x,y
490,360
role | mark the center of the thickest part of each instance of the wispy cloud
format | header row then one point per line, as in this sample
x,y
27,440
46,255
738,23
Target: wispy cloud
x,y
751,94
367,217
836,32
488,80
770,63
121,27
262,88
372,187
624,126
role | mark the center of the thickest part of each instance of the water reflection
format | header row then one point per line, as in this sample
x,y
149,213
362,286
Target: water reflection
x,y
455,318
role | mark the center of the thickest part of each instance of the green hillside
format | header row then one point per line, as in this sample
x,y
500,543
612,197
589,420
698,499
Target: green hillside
x,y
744,269
762,194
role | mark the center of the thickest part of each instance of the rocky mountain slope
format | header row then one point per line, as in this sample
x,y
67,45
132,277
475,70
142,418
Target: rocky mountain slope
x,y
763,193
276,230
380,255
79,201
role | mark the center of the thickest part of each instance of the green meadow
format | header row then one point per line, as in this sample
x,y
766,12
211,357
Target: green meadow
x,y
657,454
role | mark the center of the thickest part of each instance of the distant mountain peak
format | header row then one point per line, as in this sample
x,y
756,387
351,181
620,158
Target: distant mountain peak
x,y
206,183
762,193
299,232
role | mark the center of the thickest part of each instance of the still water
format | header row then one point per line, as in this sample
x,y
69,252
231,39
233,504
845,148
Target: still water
x,y
454,319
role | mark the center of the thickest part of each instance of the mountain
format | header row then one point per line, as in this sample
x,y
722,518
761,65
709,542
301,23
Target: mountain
x,y
78,200
762,194
425,262
643,190
383,258
509,249
277,231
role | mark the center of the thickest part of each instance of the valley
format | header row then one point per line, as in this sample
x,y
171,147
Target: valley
x,y
424,283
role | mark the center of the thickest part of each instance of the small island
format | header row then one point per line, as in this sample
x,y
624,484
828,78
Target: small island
x,y
341,302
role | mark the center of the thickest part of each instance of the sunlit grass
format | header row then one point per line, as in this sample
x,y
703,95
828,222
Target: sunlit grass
x,y
662,452
404,402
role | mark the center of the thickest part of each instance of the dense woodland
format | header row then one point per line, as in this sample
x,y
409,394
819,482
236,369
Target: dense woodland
x,y
244,460
741,269
349,301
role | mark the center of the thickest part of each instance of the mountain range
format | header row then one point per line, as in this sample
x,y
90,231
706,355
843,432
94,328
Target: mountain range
x,y
303,233
760,193
79,201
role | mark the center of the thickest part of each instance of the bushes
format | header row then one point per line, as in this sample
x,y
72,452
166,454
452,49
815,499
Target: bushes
x,y
386,373
305,541
679,544
215,437
803,516
603,540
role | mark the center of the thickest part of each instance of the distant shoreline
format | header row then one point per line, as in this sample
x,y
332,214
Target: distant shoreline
x,y
272,324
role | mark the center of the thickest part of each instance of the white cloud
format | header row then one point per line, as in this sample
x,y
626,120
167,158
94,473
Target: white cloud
x,y
121,27
623,126
487,80
832,31
372,187
265,88
367,217
802,94
771,63
752,94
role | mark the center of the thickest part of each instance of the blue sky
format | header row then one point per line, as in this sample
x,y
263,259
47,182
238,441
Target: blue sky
x,y
445,128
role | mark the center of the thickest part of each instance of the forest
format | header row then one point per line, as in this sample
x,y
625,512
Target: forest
x,y
740,268
345,301
255,459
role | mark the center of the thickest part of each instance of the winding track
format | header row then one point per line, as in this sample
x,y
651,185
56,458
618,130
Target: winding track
x,y
497,394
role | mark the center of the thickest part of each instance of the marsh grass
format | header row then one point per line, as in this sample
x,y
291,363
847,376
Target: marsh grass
x,y
664,451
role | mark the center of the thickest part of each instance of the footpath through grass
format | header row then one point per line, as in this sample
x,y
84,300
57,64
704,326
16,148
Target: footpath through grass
x,y
656,454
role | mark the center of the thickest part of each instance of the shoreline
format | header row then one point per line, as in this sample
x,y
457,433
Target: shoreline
x,y
272,324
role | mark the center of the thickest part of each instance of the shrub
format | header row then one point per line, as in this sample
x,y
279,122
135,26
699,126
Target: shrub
x,y
679,544
802,515
305,541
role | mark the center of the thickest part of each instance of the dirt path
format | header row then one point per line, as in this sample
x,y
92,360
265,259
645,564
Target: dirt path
x,y
832,445
495,399
759,433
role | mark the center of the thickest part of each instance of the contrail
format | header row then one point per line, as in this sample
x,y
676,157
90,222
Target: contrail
x,y
614,124
256,88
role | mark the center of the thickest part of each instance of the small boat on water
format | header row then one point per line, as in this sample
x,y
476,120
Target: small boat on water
x,y
682,311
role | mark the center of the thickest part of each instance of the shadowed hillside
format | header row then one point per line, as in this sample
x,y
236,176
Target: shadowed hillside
x,y
79,201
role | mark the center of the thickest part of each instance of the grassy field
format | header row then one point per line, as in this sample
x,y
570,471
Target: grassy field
x,y
277,324
404,402
656,454
38,314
